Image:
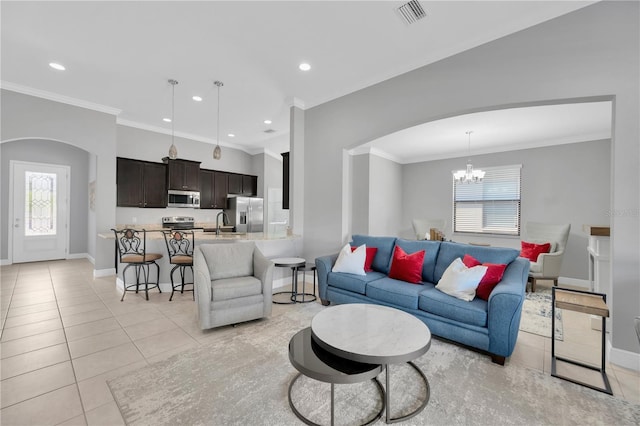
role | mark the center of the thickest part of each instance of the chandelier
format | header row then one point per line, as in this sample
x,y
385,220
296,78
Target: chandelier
x,y
469,175
173,151
217,152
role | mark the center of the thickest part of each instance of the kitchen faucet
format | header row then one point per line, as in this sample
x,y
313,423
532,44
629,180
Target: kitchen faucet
x,y
225,219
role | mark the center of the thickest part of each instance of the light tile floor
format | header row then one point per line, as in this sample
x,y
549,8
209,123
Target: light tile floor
x,y
64,334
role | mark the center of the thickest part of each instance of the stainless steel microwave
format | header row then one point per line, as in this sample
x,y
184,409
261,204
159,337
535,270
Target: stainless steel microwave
x,y
183,199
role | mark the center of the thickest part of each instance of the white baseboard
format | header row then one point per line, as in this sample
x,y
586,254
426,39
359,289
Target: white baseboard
x,y
626,359
577,282
78,256
99,273
5,262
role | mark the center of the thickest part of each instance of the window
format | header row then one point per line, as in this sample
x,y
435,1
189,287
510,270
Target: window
x,y
491,206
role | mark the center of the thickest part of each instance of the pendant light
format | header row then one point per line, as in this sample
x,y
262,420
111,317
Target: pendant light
x,y
217,152
173,151
469,175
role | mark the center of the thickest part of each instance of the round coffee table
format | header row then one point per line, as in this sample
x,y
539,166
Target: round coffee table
x,y
374,334
314,362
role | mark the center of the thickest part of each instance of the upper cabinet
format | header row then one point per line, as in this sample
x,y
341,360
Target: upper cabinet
x,y
140,183
246,185
183,175
213,189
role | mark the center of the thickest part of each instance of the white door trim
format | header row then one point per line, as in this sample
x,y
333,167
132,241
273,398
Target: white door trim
x,y
11,218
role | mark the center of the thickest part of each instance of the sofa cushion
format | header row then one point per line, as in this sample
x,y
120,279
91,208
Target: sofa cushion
x,y
431,249
382,260
351,262
441,304
406,267
450,251
229,259
232,288
351,282
396,292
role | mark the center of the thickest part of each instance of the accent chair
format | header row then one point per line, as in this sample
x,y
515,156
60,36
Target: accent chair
x,y
548,265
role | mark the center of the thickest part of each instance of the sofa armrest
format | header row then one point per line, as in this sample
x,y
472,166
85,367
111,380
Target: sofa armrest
x,y
263,270
202,288
505,308
323,267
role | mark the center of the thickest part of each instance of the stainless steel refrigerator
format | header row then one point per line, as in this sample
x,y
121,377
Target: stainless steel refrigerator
x,y
246,214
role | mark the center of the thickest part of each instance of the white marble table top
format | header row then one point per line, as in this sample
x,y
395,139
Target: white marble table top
x,y
371,333
289,261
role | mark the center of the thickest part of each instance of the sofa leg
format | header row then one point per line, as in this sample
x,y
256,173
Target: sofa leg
x,y
497,359
324,302
533,285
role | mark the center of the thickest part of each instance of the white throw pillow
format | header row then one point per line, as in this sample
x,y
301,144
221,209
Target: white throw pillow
x,y
460,281
351,262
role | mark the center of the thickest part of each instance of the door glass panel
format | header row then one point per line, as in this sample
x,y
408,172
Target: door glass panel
x,y
40,204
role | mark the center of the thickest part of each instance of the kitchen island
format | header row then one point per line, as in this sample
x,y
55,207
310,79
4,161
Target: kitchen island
x,y
272,246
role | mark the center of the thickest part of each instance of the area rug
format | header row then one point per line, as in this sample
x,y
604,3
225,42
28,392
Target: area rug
x,y
536,314
242,379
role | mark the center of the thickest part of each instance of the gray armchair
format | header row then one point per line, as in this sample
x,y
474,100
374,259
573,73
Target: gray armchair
x,y
547,267
233,283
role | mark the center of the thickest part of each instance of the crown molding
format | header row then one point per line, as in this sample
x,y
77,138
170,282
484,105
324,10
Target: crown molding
x,y
184,135
295,102
25,90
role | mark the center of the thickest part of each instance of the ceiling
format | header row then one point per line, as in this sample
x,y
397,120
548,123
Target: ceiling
x,y
120,55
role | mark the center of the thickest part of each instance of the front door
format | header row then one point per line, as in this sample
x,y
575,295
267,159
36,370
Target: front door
x,y
40,211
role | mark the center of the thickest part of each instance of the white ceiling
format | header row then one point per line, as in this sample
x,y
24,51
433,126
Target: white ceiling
x,y
496,131
119,56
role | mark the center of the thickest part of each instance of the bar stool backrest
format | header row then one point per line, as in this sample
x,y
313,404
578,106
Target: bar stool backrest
x,y
130,243
179,243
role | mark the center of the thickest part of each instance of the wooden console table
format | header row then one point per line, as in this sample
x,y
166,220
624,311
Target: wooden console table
x,y
588,303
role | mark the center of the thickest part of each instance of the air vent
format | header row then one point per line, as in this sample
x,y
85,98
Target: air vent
x,y
411,12
269,131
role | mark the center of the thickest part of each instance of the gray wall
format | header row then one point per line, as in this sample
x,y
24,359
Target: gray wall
x,y
385,196
591,52
560,184
360,190
49,152
29,117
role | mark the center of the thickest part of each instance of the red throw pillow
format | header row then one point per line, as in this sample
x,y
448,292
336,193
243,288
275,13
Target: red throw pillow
x,y
532,250
407,267
371,253
491,278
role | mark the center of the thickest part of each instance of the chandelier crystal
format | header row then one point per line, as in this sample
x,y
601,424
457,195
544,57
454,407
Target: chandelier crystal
x,y
469,175
217,152
173,151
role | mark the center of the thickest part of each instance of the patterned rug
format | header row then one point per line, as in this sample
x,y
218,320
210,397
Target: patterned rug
x,y
242,377
536,314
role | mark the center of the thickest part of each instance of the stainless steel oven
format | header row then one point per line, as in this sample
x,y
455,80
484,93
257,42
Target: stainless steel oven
x,y
183,199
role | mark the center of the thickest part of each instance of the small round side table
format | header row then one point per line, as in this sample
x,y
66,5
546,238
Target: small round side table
x,y
294,263
305,297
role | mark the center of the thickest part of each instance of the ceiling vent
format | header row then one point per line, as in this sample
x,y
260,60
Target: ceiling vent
x,y
269,131
411,12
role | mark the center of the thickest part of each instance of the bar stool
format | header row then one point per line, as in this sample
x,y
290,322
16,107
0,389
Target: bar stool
x,y
180,247
132,251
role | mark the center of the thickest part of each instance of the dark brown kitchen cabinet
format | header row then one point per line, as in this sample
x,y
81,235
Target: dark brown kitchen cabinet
x,y
183,175
213,189
140,183
243,184
235,183
285,180
249,185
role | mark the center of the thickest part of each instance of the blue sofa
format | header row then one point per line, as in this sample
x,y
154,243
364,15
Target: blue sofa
x,y
490,326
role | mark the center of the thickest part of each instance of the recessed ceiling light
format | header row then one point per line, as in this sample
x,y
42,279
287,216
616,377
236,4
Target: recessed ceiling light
x,y
304,66
231,135
166,120
57,66
197,98
267,121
